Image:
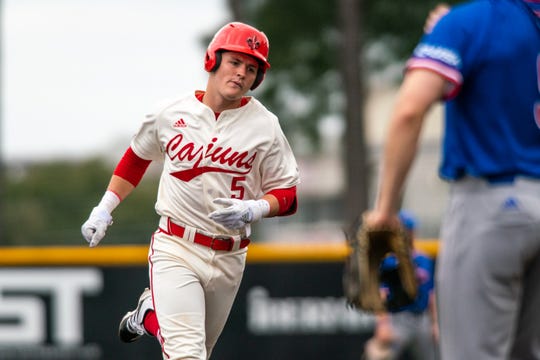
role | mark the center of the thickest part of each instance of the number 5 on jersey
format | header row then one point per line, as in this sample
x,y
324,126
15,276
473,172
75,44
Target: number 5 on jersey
x,y
237,188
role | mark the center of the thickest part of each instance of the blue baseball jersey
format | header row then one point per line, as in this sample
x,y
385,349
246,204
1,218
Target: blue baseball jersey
x,y
424,271
491,131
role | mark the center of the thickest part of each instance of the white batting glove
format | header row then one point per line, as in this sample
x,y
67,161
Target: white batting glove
x,y
239,213
93,230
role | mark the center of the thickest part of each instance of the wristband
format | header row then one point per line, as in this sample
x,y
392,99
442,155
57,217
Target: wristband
x,y
109,201
261,209
264,206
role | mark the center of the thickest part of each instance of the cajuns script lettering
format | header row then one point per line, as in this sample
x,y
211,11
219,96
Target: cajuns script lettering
x,y
227,160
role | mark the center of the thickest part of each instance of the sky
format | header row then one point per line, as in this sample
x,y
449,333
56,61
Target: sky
x,y
78,76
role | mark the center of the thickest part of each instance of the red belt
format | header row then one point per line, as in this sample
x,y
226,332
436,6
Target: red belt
x,y
214,243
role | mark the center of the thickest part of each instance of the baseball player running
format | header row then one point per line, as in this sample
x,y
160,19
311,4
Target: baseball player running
x,y
483,58
226,165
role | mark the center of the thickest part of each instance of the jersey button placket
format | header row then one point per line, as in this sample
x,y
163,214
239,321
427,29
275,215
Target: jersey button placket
x,y
210,191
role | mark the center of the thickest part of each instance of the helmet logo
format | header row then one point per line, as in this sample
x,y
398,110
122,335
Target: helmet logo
x,y
253,42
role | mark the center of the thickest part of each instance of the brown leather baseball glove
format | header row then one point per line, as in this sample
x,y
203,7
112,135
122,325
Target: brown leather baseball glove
x,y
361,277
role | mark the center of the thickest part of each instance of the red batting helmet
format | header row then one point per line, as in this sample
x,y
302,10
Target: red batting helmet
x,y
243,38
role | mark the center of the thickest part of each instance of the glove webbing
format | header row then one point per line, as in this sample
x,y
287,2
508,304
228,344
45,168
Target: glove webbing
x,y
369,247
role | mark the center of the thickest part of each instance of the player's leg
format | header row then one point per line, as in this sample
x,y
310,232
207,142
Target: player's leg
x,y
131,326
221,291
141,320
423,345
527,341
405,325
478,274
178,272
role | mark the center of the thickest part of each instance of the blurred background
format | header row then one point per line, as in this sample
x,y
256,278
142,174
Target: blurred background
x,y
78,77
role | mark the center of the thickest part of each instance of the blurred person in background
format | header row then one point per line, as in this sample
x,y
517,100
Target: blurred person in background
x,y
226,165
409,330
483,59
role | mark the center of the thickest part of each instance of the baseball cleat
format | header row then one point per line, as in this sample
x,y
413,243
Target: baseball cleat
x,y
131,326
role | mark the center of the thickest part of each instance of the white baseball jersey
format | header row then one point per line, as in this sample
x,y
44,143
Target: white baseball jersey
x,y
243,154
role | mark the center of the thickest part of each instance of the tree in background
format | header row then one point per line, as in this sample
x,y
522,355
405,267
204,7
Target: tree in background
x,y
45,203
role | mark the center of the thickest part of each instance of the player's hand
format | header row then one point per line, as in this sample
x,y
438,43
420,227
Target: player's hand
x,y
384,333
238,213
93,230
379,219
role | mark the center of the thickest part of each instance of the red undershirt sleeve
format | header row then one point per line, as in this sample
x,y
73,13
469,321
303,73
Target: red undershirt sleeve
x,y
287,200
131,167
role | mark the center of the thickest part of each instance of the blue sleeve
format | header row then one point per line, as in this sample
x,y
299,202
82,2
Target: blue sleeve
x,y
451,48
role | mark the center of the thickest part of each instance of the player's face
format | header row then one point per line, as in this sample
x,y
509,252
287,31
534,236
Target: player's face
x,y
235,75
